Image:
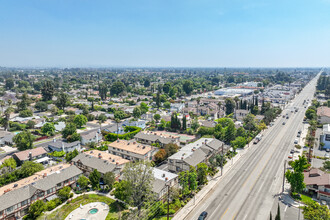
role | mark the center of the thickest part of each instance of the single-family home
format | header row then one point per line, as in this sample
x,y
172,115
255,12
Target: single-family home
x,y
318,182
91,136
38,154
64,146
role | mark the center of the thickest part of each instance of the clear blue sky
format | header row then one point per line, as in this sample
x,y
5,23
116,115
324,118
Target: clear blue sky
x,y
175,33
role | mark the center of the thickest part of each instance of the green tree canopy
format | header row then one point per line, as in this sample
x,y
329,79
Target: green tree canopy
x,y
24,140
80,120
48,129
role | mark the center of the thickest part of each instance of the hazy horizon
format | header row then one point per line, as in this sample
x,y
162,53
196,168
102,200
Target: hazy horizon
x,y
173,34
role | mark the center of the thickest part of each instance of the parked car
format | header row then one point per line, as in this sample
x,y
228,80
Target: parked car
x,y
326,156
296,141
292,151
327,149
202,216
283,123
290,156
298,135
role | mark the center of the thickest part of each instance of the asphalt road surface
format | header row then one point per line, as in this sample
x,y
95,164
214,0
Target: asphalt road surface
x,y
248,191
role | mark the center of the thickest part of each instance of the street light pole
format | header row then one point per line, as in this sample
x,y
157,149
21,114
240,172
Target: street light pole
x,y
284,176
168,201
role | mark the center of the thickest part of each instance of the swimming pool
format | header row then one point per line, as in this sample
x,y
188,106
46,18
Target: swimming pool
x,y
93,211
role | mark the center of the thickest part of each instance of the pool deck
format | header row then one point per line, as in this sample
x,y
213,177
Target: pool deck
x,y
83,212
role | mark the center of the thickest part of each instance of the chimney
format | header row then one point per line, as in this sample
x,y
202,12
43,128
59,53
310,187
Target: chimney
x,y
30,156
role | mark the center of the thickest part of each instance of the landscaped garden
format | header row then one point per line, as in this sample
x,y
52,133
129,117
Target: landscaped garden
x,y
60,214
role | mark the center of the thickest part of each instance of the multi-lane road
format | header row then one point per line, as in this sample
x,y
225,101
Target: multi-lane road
x,y
249,189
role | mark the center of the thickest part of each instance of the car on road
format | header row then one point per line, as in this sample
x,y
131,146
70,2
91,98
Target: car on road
x,y
202,216
283,123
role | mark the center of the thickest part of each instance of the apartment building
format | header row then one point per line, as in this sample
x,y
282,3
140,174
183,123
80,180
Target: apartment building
x,y
131,150
101,161
153,137
15,198
194,153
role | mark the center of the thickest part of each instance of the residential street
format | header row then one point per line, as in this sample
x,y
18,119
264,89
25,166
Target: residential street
x,y
248,191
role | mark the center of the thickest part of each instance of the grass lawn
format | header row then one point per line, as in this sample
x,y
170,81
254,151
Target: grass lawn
x,y
65,210
306,199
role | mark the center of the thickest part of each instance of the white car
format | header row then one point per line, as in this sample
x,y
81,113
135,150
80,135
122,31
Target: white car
x,y
296,141
326,156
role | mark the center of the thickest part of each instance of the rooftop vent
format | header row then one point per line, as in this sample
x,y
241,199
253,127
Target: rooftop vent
x,y
163,175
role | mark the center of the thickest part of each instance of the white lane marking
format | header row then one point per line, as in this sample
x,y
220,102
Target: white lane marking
x,y
285,208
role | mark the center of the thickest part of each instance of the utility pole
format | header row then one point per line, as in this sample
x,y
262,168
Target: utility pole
x,y
284,176
168,201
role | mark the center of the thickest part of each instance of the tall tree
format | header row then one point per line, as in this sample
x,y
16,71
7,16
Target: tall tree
x,y
10,83
24,140
296,177
139,177
62,100
117,88
188,86
109,179
80,120
47,90
94,178
230,106
202,173
103,90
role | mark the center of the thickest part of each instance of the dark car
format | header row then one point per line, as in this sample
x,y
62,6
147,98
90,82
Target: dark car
x,y
202,216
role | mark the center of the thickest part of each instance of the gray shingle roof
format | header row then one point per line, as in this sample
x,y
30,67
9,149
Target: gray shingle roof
x,y
21,194
153,138
58,144
197,157
57,177
101,165
16,196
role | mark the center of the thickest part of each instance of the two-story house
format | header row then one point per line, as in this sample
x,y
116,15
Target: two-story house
x,y
318,182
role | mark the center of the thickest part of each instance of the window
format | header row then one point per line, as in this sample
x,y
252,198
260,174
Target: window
x,y
10,209
41,194
34,197
50,191
24,203
59,184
